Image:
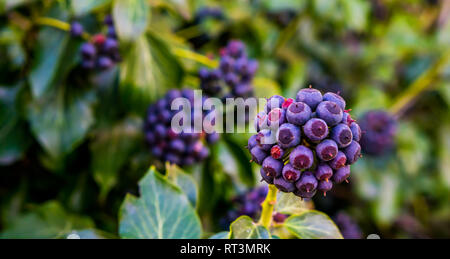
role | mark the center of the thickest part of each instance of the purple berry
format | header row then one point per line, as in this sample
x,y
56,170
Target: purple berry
x,y
298,113
261,121
330,112
327,150
76,29
88,50
291,174
307,183
252,142
323,172
104,62
301,158
339,161
332,97
379,129
258,155
352,152
316,130
177,145
273,102
325,186
266,177
356,131
310,96
111,45
304,194
276,118
277,152
288,136
272,167
283,185
341,174
266,139
342,135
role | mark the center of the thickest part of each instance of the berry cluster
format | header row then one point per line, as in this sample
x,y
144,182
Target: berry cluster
x,y
307,144
234,76
102,51
348,227
379,129
183,149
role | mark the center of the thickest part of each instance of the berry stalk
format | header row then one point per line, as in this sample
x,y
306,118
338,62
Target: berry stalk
x,y
55,23
268,206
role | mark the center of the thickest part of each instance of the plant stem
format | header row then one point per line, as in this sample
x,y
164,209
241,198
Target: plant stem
x,y
267,206
419,86
47,21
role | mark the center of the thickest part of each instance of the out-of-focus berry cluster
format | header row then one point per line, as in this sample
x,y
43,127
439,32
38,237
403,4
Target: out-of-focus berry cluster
x,y
102,50
234,76
305,145
249,204
183,149
348,227
379,129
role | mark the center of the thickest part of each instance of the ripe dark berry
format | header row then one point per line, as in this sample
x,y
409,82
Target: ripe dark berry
x,y
277,152
291,174
379,129
316,130
310,96
283,185
339,161
273,102
301,158
288,136
276,118
307,183
298,113
342,135
325,186
252,142
330,112
272,167
352,152
266,139
88,50
304,194
76,29
323,172
269,179
258,155
261,121
341,174
332,97
356,131
327,150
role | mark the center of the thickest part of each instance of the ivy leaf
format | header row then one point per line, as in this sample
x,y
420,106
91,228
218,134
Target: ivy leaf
x,y
60,121
131,18
245,228
221,235
81,7
111,149
13,133
288,203
312,225
163,211
184,181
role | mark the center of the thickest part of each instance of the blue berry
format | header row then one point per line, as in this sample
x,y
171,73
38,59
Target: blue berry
x,y
268,178
272,167
291,174
177,145
310,96
277,152
301,158
316,130
111,45
353,152
276,118
104,62
341,174
327,150
76,29
108,20
379,129
252,142
298,113
342,135
323,172
261,121
273,102
332,97
330,112
307,183
288,136
356,131
266,139
283,185
88,50
339,161
258,155
304,194
325,186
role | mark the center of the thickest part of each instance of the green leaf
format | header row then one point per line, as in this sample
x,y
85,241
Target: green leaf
x,y
184,181
81,7
235,159
444,154
61,120
111,149
54,55
91,234
312,225
162,211
13,133
147,70
48,220
288,203
245,228
131,18
220,235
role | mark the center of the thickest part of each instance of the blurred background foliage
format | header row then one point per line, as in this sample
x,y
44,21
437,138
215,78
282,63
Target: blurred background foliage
x,y
71,142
